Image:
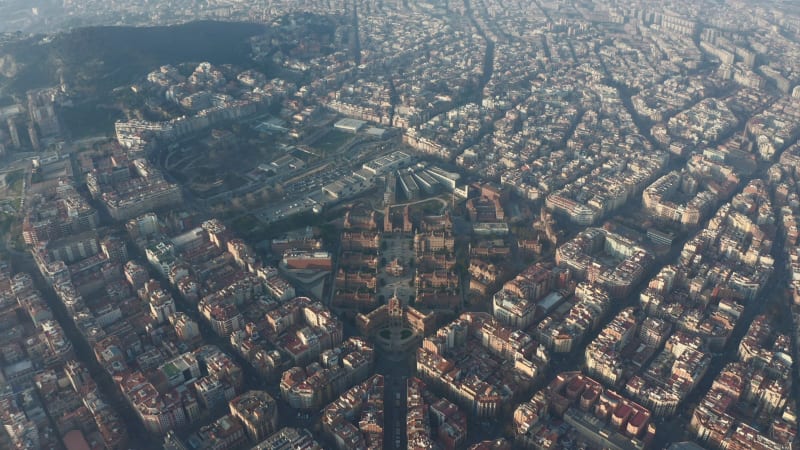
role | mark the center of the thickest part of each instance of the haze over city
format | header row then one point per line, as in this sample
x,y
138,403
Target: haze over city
x,y
399,224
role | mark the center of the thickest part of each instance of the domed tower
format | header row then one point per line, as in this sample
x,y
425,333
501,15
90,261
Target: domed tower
x,y
395,311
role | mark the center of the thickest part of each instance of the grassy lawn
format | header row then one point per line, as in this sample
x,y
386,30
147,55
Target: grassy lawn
x,y
14,181
429,207
233,181
332,141
179,177
9,225
6,222
206,175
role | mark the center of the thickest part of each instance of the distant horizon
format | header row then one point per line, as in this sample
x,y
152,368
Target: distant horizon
x,y
18,15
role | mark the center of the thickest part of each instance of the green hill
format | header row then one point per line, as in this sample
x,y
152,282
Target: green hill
x,y
97,59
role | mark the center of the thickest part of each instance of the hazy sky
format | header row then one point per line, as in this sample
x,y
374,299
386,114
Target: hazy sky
x,y
27,15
